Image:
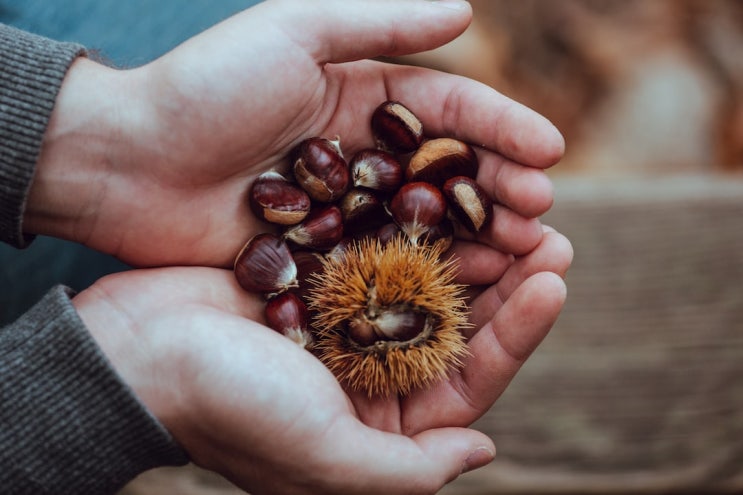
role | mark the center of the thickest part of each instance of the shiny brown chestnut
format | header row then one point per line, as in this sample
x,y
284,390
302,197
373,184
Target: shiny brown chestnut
x,y
320,168
265,265
377,170
469,203
395,323
417,207
396,128
276,200
442,232
288,315
387,232
309,263
321,230
438,160
362,210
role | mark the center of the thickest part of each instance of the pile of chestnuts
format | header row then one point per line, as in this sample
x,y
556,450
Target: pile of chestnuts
x,y
408,187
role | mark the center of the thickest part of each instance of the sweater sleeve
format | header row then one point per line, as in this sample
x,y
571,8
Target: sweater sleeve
x,y
31,73
68,425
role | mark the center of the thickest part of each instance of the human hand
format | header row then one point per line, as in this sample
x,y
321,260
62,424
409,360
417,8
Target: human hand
x,y
153,164
252,405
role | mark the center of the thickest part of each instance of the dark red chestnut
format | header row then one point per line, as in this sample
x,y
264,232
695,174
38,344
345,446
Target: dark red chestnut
x,y
309,264
442,232
265,265
321,230
387,232
362,210
276,200
417,207
438,160
377,170
320,169
469,203
396,128
288,315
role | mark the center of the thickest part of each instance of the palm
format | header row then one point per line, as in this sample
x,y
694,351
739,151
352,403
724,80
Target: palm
x,y
223,116
275,403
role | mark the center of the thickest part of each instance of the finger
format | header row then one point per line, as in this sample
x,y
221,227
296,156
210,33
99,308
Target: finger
x,y
391,463
526,190
501,346
338,31
454,106
510,232
497,351
479,264
553,254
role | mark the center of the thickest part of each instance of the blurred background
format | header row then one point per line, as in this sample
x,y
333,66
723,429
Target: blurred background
x,y
639,387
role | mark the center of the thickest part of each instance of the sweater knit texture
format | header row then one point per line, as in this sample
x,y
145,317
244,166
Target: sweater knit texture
x,y
68,423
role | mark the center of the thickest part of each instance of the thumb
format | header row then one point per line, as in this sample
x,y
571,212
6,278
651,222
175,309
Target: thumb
x,y
456,450
341,31
424,463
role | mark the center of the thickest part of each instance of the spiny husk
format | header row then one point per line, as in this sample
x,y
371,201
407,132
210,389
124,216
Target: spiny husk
x,y
401,272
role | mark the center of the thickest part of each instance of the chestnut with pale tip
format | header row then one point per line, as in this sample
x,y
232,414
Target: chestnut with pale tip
x,y
276,200
320,168
469,203
438,160
321,230
287,314
395,128
377,170
362,210
416,208
265,265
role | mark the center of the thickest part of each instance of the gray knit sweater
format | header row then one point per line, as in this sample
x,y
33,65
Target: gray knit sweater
x,y
68,424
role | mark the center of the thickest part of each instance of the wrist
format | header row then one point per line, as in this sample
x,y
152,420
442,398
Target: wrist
x,y
84,140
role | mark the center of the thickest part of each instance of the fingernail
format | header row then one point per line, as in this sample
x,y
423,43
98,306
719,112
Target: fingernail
x,y
477,459
451,4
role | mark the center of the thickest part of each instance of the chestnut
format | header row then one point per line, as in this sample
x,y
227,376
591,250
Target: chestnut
x,y
394,323
438,160
265,265
321,230
396,128
309,263
288,315
320,169
442,232
387,232
362,210
416,208
377,170
469,202
276,200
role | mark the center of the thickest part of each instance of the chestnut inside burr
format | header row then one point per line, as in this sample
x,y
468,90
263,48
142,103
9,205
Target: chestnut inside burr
x,y
385,327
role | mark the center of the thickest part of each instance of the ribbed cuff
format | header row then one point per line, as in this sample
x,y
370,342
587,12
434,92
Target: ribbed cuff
x,y
31,73
68,424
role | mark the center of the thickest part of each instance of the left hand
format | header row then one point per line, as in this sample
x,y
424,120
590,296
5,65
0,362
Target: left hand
x,y
253,406
153,164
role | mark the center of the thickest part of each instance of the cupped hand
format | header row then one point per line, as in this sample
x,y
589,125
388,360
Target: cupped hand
x,y
252,405
166,152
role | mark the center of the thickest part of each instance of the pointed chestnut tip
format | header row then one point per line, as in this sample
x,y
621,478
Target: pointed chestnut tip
x,y
265,265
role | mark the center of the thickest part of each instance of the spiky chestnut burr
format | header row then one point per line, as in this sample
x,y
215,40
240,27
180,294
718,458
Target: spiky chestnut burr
x,y
368,302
